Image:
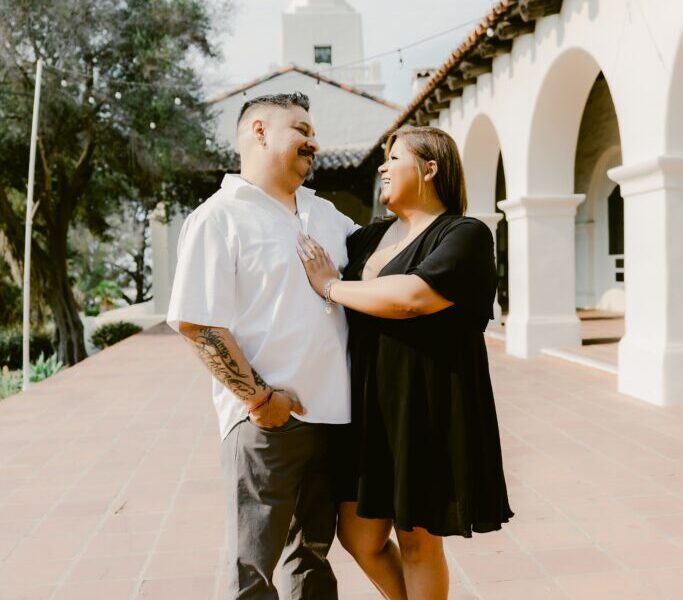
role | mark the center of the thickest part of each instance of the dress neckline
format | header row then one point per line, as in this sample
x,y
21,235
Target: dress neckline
x,y
402,251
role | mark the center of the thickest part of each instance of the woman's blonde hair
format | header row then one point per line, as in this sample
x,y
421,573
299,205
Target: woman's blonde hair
x,y
431,143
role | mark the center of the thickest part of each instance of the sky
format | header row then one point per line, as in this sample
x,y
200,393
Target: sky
x,y
253,46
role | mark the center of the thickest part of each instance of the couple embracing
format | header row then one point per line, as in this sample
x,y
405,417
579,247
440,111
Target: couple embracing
x,y
350,374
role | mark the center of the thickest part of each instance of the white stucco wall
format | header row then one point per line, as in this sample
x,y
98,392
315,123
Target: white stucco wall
x,y
341,118
529,108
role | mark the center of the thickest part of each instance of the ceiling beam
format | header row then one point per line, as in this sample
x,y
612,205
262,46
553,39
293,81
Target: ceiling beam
x,y
530,10
507,30
492,47
471,69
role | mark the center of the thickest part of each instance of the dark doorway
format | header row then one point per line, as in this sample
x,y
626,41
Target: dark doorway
x,y
502,240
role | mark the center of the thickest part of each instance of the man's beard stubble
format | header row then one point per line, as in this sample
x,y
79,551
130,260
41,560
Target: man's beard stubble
x,y
311,168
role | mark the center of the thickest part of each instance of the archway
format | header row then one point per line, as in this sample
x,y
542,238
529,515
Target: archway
x,y
542,280
480,162
559,108
600,218
485,181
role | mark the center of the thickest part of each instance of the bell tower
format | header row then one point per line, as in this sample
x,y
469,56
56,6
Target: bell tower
x,y
326,36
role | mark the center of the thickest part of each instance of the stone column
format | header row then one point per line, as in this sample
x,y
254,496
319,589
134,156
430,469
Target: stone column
x,y
542,309
491,220
651,352
165,232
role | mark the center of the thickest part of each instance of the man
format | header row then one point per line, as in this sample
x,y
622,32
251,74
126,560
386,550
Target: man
x,y
277,353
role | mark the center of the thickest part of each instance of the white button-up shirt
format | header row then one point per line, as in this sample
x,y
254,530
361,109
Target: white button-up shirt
x,y
238,269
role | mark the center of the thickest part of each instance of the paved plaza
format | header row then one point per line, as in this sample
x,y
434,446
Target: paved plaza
x,y
110,486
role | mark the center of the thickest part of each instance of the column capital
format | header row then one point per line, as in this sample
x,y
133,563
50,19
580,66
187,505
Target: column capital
x,y
489,219
662,172
546,205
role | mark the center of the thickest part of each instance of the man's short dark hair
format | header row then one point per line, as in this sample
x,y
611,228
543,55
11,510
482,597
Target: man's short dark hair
x,y
281,100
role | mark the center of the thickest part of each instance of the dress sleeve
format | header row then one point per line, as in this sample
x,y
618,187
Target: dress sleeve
x,y
461,267
204,283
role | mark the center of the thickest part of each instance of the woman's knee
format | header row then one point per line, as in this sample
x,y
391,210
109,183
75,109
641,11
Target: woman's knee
x,y
418,545
361,538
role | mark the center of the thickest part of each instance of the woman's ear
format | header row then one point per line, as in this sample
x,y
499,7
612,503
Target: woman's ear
x,y
430,170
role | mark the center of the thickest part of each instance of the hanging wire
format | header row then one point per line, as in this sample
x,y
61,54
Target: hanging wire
x,y
406,46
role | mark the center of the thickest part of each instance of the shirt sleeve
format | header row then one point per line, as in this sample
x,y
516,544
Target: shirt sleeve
x,y
348,224
204,283
462,267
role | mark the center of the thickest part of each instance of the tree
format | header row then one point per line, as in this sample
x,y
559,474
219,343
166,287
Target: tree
x,y
122,117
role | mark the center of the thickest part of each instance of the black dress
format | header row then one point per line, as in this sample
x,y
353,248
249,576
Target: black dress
x,y
423,448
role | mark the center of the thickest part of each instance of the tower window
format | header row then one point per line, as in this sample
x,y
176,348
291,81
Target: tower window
x,y
323,54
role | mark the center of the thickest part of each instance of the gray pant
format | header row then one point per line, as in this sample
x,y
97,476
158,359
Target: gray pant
x,y
279,504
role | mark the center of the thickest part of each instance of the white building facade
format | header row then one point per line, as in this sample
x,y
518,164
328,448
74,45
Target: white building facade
x,y
344,116
569,118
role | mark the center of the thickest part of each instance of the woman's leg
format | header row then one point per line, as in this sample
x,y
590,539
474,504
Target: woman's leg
x,y
367,540
424,564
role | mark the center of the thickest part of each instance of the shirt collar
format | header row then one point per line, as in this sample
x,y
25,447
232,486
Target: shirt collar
x,y
234,184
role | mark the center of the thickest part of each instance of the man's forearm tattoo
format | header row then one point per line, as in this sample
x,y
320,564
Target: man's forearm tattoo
x,y
216,355
258,379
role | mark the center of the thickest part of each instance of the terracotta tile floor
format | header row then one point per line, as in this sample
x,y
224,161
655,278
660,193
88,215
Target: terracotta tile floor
x,y
110,487
600,333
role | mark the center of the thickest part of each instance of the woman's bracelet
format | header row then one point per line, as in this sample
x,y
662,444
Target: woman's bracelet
x,y
326,294
269,393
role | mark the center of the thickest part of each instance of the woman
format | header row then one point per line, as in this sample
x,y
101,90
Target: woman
x,y
422,454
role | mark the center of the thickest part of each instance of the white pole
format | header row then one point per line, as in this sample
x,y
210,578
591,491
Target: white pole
x,y
29,226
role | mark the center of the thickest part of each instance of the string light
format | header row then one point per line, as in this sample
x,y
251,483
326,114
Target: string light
x,y
64,83
152,125
490,32
91,100
177,101
117,95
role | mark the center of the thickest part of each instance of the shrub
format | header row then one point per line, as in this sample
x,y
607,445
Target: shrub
x,y
11,349
10,382
45,367
111,333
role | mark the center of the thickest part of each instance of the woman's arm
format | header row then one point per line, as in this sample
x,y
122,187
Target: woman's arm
x,y
390,297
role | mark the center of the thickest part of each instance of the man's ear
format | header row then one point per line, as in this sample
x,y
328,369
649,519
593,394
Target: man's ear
x,y
258,128
430,170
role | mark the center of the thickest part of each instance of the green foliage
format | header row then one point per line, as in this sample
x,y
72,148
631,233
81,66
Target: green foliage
x,y
10,300
45,367
122,119
10,382
11,348
111,333
102,297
